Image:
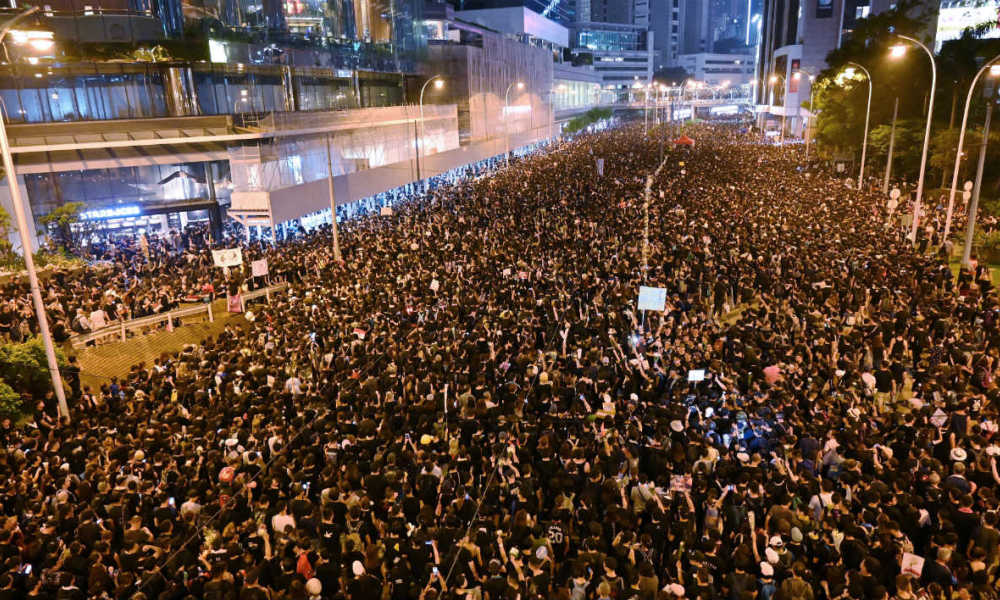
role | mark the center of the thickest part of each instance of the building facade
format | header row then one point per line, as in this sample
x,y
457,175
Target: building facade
x,y
796,38
719,70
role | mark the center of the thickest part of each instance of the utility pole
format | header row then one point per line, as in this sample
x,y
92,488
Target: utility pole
x,y
892,145
974,206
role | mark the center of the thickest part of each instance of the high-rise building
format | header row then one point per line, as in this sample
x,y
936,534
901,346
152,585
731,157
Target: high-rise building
x,y
616,35
560,11
797,36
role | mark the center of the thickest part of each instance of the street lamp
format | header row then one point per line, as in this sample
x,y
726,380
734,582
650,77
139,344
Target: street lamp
x,y
774,80
994,70
898,51
506,132
29,259
812,89
868,112
438,84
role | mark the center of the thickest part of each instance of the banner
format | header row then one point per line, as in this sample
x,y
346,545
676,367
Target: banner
x,y
258,268
230,257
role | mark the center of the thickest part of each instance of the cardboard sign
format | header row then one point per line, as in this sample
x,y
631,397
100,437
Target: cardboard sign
x,y
385,211
652,298
230,257
911,565
258,268
680,483
235,303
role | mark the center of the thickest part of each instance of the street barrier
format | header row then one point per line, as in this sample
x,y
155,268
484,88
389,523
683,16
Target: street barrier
x,y
171,318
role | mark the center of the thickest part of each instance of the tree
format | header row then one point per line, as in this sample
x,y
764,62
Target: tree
x,y
905,153
63,217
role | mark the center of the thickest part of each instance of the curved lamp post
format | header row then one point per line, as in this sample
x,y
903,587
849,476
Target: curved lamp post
x,y
868,112
29,260
898,51
990,65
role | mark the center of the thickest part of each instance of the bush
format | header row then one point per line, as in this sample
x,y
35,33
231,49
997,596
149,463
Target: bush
x,y
25,369
10,402
587,119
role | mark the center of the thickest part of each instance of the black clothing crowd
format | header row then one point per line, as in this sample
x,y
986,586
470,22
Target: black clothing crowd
x,y
471,406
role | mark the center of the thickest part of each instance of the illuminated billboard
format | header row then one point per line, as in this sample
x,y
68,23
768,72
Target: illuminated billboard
x,y
958,15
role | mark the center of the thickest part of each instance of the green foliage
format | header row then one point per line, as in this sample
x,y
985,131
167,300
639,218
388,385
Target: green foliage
x,y
587,119
63,217
905,153
155,54
7,254
10,402
25,369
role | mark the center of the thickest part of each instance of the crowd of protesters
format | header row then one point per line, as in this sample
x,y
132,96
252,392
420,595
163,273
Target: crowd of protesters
x,y
471,406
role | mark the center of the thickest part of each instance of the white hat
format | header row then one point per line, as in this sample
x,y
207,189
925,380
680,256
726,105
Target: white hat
x,y
766,569
357,568
677,426
776,541
771,555
676,589
958,455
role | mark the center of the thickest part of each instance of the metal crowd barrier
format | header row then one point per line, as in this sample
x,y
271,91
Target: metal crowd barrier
x,y
122,328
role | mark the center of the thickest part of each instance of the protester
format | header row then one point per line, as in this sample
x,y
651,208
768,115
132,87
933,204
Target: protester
x,y
472,406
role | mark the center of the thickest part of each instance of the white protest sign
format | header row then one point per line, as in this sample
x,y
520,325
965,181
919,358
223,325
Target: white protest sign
x,y
911,565
435,285
652,298
230,257
600,167
939,418
258,268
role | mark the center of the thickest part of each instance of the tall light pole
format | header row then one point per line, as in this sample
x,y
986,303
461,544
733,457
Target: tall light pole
x,y
506,113
333,201
29,259
868,112
898,51
994,70
773,80
892,147
438,84
974,205
812,95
